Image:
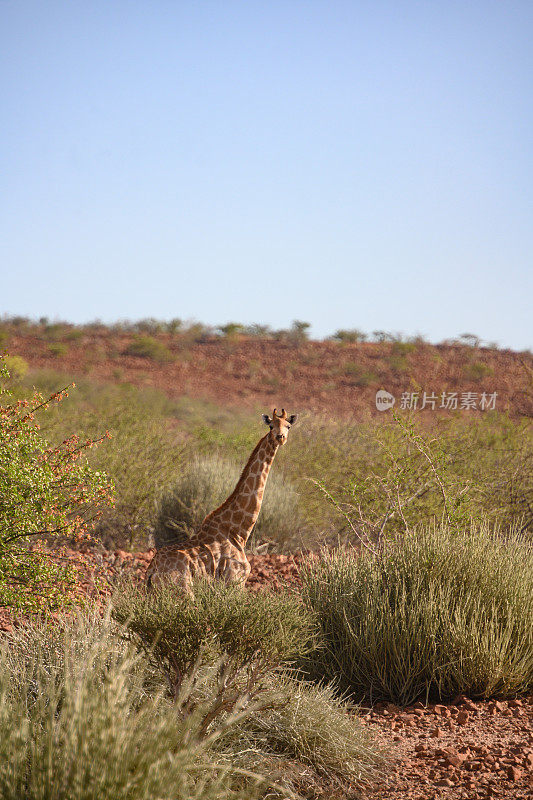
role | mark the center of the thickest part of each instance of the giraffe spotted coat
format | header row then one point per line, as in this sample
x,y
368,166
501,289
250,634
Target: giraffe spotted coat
x,y
217,549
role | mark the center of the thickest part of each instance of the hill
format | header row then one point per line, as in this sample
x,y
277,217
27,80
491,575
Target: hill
x,y
340,378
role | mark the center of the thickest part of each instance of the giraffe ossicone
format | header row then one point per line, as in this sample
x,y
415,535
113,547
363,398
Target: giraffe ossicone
x,y
217,549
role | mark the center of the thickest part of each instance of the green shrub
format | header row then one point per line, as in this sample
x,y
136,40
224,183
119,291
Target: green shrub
x,y
403,348
477,370
435,613
142,456
205,482
255,632
45,491
397,363
55,331
384,336
349,336
231,330
150,325
486,464
359,376
74,335
77,723
58,349
16,366
148,347
258,331
296,335
469,339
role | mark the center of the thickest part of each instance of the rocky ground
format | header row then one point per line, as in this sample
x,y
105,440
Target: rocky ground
x,y
465,750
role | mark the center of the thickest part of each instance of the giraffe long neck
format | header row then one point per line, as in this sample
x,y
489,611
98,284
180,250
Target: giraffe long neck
x,y
238,514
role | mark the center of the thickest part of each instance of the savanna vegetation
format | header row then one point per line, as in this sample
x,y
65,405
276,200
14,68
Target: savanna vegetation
x,y
420,586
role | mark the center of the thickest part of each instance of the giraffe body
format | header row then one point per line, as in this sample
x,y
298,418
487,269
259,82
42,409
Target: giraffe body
x,y
217,550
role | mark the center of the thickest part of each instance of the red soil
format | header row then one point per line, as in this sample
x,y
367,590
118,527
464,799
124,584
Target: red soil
x,y
319,376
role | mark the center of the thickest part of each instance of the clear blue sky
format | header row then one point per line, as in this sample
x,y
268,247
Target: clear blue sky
x,y
351,164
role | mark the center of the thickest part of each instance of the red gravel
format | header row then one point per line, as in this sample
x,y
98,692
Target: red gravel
x,y
461,750
465,750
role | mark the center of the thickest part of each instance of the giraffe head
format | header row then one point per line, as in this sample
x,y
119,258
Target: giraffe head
x,y
279,425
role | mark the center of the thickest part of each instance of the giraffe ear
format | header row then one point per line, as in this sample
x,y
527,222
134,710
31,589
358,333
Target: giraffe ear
x,y
293,418
267,420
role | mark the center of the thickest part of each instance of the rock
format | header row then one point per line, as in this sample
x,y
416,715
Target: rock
x,y
514,774
392,709
444,782
455,759
460,700
435,733
462,717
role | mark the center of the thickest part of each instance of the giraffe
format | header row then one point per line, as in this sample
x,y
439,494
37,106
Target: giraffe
x,y
216,550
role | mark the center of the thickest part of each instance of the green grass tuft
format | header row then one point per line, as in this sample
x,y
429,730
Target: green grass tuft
x,y
436,613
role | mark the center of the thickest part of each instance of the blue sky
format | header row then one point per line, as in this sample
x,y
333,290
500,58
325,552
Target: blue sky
x,y
351,164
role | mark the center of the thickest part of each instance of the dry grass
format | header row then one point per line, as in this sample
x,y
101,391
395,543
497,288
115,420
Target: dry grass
x,y
437,613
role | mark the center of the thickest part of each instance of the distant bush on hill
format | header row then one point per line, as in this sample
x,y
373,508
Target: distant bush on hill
x,y
350,336
148,347
477,370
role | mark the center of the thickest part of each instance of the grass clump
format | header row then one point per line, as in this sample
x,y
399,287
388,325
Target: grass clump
x,y
148,347
434,613
230,650
77,722
205,482
311,725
